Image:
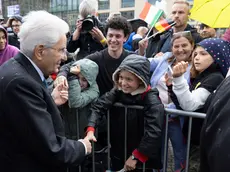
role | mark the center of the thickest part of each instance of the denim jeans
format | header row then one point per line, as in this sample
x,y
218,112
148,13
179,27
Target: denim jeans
x,y
178,143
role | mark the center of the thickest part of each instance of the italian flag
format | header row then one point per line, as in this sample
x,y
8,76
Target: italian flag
x,y
150,14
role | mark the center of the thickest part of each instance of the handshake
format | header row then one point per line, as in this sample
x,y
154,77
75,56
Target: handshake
x,y
86,141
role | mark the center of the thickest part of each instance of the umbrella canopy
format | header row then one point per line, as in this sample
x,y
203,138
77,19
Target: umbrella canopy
x,y
135,23
197,4
214,13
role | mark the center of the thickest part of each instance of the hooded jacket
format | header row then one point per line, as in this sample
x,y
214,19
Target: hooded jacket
x,y
9,50
78,98
144,126
81,99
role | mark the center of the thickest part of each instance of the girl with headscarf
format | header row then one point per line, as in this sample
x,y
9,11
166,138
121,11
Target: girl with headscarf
x,y
211,60
6,51
209,67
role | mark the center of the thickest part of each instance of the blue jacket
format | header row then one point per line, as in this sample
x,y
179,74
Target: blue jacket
x,y
128,44
159,67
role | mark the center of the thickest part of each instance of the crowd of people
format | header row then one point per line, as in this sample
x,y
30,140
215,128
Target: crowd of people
x,y
179,69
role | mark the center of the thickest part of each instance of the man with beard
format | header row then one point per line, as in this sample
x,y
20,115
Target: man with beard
x,y
179,14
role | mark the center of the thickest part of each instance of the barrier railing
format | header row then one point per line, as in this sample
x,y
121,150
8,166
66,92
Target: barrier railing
x,y
191,115
180,113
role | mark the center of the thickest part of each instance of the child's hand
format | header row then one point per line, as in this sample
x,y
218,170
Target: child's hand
x,y
130,164
75,69
179,69
90,136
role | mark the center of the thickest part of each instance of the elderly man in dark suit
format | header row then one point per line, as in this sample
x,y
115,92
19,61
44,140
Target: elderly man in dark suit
x,y
31,130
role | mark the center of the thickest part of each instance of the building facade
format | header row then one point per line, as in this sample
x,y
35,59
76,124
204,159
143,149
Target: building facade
x,y
68,9
24,6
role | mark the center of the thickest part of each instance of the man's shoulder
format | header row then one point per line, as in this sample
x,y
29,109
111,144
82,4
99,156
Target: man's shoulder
x,y
12,36
196,36
127,53
152,97
12,74
97,55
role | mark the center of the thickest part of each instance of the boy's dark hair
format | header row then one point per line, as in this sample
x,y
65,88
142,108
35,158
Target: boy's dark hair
x,y
15,18
119,23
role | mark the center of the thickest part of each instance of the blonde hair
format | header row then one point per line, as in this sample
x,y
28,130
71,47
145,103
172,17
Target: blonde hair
x,y
181,2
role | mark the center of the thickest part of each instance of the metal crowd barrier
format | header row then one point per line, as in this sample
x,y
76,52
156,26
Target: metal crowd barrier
x,y
191,115
180,113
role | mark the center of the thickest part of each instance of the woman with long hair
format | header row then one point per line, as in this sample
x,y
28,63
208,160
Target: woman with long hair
x,y
182,48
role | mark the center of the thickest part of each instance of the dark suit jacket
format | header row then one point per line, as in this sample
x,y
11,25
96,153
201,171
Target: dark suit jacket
x,y
31,129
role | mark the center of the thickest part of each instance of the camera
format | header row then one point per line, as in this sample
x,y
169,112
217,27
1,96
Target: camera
x,y
88,23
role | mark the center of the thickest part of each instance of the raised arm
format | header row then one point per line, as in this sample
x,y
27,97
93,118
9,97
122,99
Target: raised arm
x,y
80,99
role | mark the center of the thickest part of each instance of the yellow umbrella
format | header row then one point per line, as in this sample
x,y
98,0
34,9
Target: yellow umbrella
x,y
197,4
214,13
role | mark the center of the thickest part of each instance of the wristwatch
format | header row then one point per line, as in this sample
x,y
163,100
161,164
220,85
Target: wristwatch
x,y
133,157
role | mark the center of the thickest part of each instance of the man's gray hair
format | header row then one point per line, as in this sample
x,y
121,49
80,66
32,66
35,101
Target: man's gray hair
x,y
40,28
88,7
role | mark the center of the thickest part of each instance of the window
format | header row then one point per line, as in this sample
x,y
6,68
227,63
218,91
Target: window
x,y
75,4
70,5
153,2
103,4
103,16
128,14
127,3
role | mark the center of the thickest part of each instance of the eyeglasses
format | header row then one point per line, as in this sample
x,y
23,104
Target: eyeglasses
x,y
16,25
62,51
183,33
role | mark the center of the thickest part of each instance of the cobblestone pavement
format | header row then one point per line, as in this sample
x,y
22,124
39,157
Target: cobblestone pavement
x,y
170,158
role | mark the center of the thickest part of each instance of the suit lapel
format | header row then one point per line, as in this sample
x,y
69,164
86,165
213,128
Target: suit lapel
x,y
22,59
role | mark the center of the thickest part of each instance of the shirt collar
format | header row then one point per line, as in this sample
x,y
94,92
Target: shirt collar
x,y
36,68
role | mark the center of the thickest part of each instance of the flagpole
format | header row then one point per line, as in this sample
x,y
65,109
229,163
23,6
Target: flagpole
x,y
154,35
149,32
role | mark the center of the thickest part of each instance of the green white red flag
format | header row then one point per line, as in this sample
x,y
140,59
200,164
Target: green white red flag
x,y
150,14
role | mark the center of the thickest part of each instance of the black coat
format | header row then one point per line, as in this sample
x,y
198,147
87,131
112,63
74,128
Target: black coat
x,y
215,134
144,126
13,39
31,130
209,79
162,43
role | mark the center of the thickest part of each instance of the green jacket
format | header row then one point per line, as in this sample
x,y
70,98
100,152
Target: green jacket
x,y
80,101
78,98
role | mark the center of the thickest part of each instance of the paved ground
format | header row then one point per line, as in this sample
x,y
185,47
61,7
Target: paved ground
x,y
170,159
